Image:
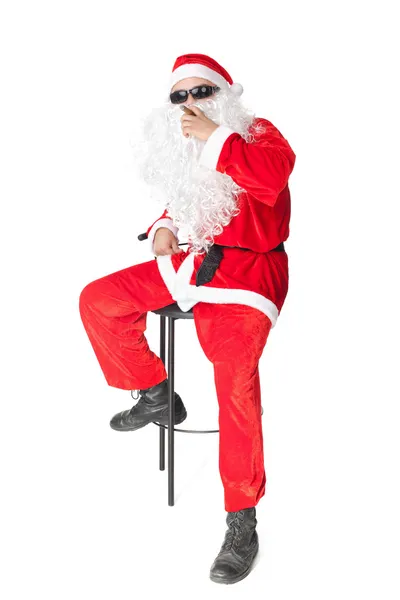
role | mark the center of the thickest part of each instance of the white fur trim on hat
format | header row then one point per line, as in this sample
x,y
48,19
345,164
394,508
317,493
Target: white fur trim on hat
x,y
197,70
237,89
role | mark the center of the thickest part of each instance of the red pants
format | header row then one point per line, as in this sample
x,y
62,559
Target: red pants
x,y
114,313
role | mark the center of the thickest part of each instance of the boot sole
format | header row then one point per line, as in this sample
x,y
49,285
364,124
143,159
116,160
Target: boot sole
x,y
163,421
217,579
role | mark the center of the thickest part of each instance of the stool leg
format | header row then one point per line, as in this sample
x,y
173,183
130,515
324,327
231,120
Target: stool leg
x,y
171,409
162,356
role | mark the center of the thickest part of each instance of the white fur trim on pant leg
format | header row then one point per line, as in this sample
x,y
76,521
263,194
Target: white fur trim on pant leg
x,y
161,223
213,146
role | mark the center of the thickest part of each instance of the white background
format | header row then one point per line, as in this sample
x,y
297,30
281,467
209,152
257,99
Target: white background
x,y
84,508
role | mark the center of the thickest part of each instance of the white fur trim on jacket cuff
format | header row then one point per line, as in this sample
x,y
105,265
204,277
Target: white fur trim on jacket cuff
x,y
213,146
161,223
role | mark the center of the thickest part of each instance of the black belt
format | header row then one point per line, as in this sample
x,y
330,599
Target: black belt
x,y
213,258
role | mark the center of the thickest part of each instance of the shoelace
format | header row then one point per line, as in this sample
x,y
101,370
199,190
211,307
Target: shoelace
x,y
235,531
140,399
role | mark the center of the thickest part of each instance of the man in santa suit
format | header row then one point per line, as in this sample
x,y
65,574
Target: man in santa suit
x,y
223,177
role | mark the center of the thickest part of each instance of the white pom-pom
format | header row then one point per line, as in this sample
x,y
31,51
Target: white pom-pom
x,y
237,89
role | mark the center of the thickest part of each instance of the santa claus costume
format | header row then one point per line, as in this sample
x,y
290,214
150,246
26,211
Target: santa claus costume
x,y
235,304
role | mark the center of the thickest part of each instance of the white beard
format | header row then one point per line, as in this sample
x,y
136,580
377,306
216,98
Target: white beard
x,y
198,198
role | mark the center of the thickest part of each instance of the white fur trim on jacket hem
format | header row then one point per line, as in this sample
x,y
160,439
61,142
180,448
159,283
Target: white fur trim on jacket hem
x,y
213,146
161,223
187,295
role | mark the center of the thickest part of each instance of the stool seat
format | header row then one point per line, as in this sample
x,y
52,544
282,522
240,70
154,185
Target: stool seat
x,y
173,310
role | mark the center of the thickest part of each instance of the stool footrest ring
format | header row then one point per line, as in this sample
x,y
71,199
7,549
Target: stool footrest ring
x,y
188,430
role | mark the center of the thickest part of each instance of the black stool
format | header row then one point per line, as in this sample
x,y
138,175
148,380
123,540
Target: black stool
x,y
172,313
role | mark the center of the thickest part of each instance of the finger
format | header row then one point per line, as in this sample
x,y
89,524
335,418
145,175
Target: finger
x,y
187,131
187,118
175,247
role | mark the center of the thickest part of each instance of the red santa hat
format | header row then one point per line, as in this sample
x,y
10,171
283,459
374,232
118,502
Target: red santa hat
x,y
200,65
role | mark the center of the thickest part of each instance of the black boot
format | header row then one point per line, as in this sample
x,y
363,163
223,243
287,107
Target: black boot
x,y
239,548
151,406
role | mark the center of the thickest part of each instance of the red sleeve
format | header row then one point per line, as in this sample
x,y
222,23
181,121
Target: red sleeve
x,y
261,167
163,221
163,216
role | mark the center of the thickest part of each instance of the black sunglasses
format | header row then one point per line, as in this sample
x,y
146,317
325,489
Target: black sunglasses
x,y
198,92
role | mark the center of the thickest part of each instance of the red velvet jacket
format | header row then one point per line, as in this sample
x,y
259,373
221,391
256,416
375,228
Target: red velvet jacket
x,y
255,277
262,168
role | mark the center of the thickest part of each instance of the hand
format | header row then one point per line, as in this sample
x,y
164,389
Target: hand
x,y
165,242
198,124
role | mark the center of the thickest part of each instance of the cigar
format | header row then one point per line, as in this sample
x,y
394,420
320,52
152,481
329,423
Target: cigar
x,y
187,110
